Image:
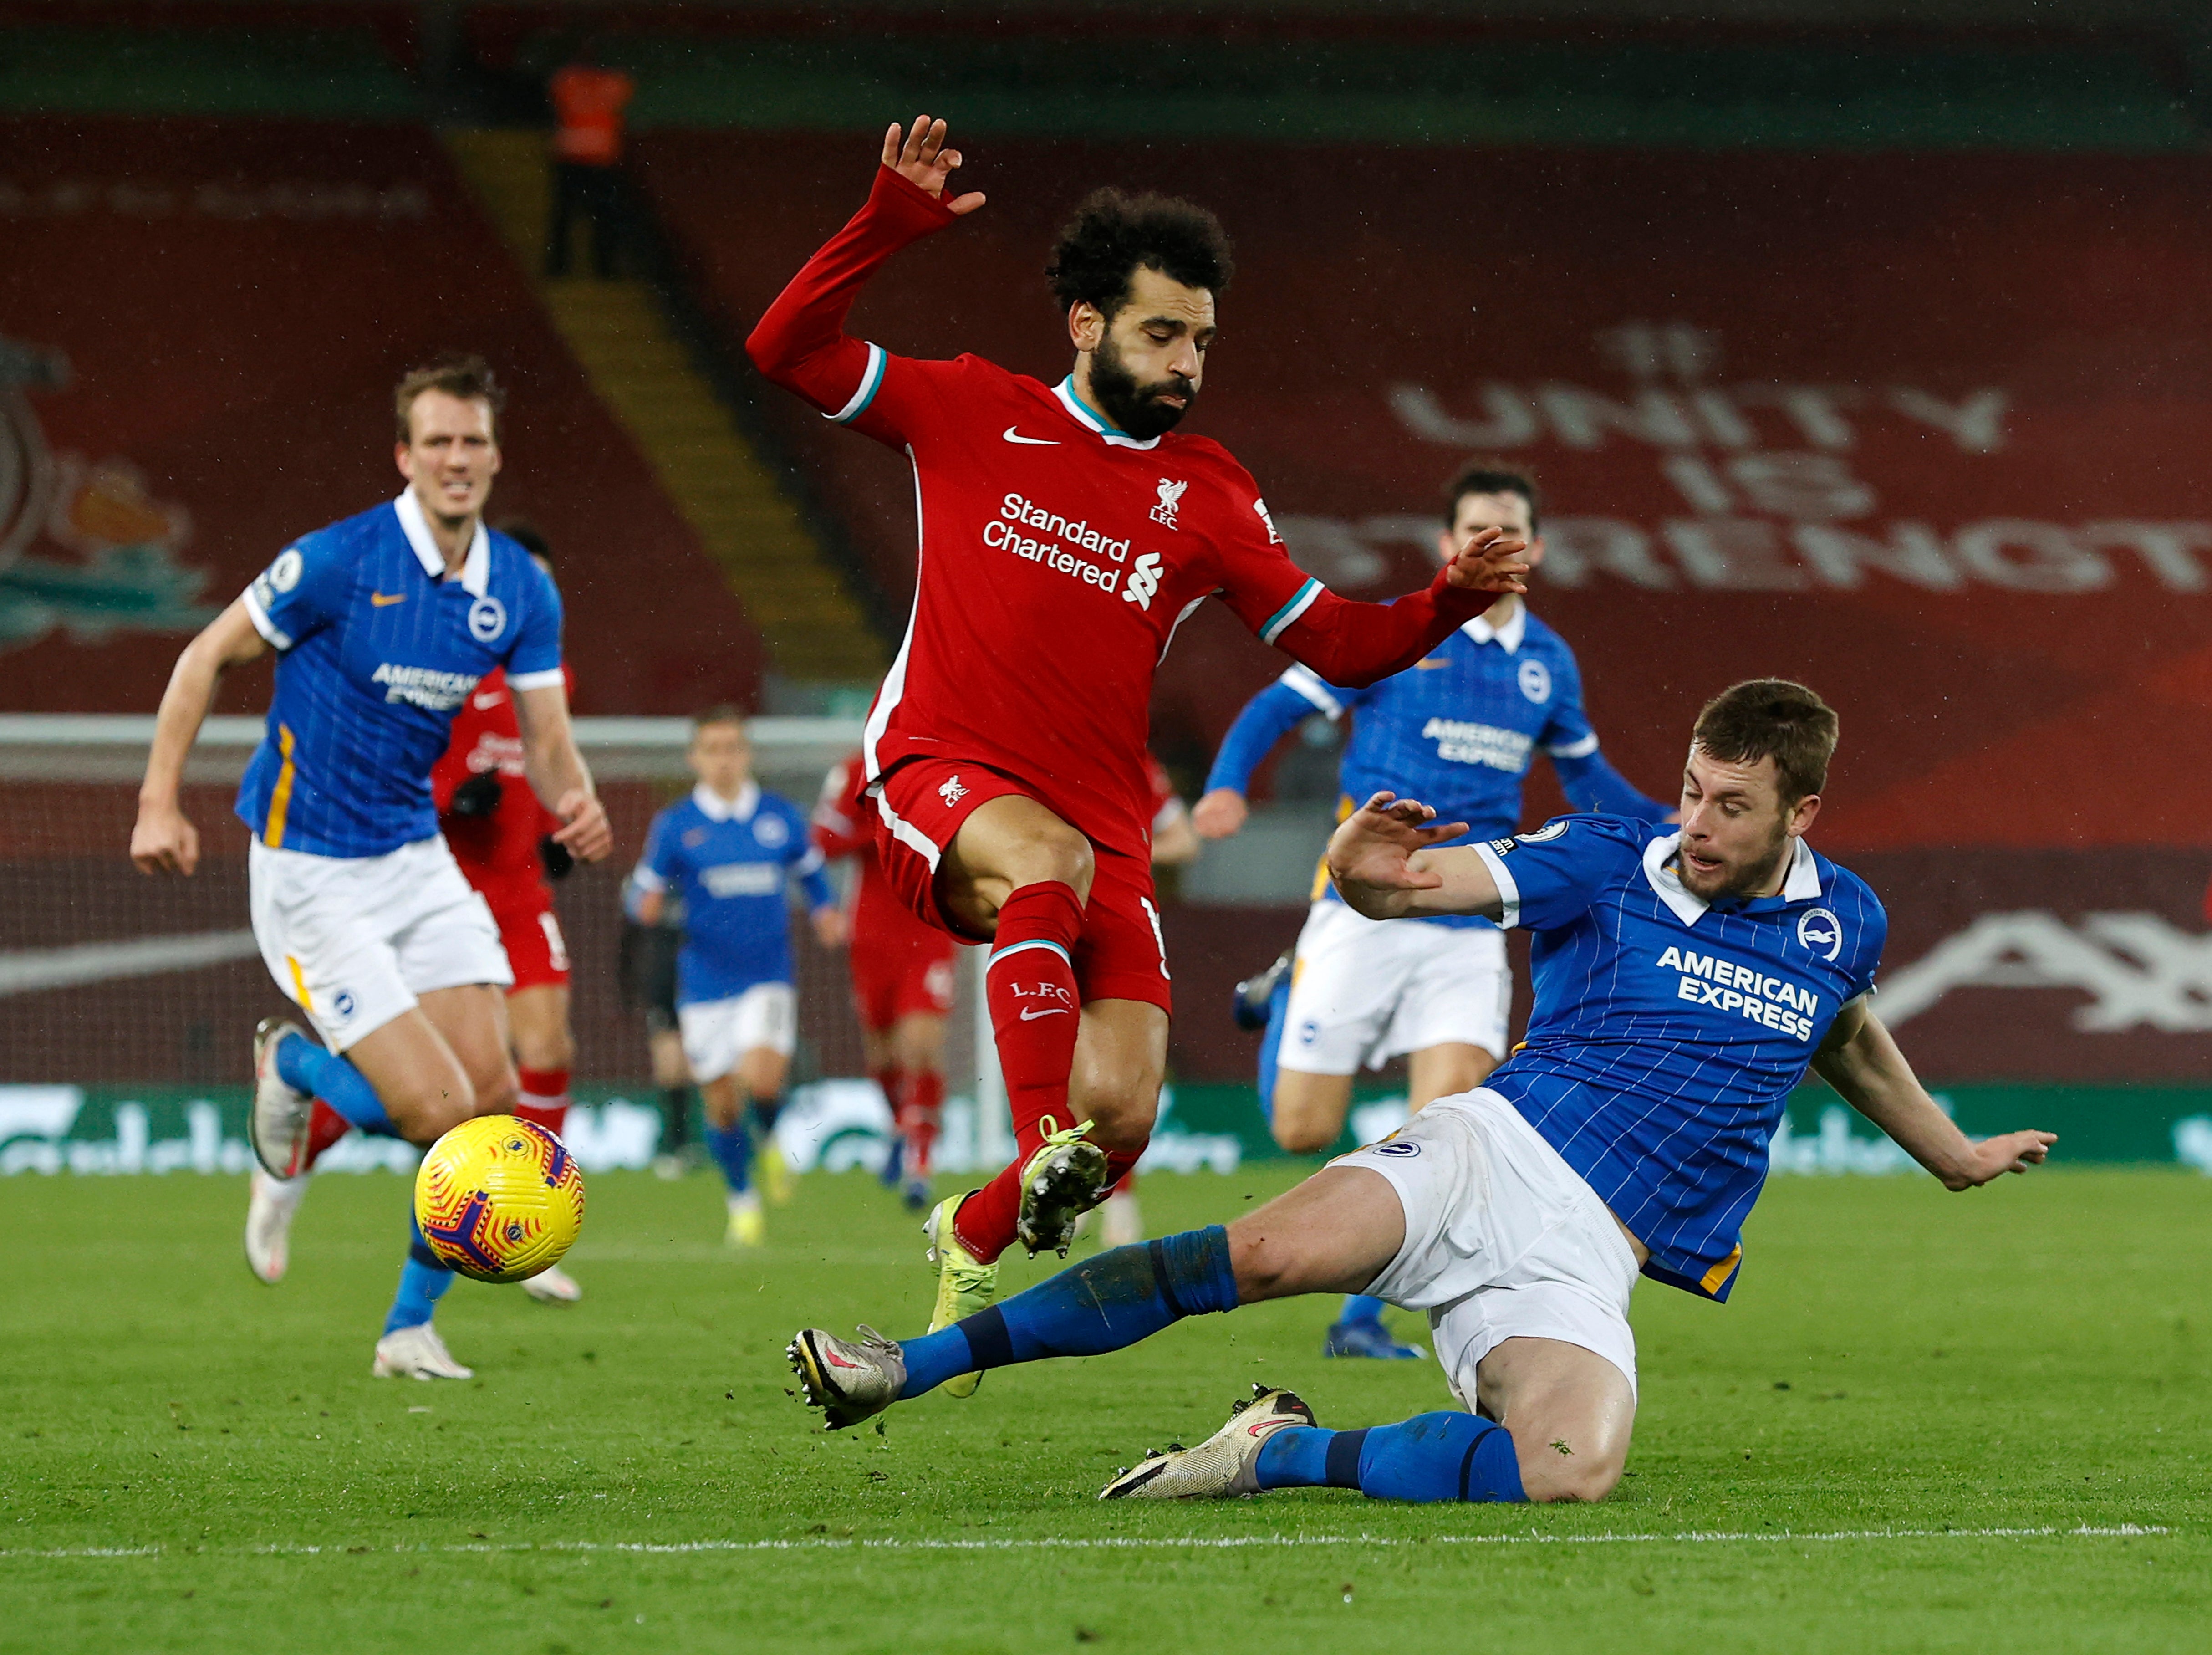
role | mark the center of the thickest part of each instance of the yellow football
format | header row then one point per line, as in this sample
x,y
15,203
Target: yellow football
x,y
499,1199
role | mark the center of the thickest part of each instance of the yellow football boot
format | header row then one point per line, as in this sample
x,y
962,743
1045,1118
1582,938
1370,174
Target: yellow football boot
x,y
748,1224
769,1169
965,1284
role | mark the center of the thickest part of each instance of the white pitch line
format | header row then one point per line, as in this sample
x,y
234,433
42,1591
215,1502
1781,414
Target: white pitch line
x,y
1115,1543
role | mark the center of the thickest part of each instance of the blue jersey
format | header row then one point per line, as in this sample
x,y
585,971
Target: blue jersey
x,y
1458,730
376,652
731,861
1668,1033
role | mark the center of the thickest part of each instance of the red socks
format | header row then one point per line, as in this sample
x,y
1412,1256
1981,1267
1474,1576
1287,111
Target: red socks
x,y
544,1099
921,1112
1029,984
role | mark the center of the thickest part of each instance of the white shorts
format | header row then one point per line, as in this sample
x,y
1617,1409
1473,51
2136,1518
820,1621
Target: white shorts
x,y
718,1032
1364,991
354,940
1503,1240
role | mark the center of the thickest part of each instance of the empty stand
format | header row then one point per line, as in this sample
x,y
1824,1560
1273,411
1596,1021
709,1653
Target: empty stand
x,y
816,632
204,323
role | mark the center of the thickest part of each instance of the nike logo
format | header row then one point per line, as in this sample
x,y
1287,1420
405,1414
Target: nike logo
x,y
1057,1011
1430,665
385,599
1032,442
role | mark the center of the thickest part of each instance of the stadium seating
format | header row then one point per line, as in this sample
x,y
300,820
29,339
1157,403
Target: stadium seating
x,y
277,277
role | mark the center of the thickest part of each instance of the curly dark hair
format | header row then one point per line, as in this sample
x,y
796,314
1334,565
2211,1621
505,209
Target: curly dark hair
x,y
1114,235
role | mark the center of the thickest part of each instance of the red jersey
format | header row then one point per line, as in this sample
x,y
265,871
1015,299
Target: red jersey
x,y
1058,554
502,847
587,108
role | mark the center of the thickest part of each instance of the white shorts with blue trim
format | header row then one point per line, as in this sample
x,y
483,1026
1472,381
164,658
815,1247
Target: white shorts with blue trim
x,y
717,1033
1503,1239
1364,991
354,940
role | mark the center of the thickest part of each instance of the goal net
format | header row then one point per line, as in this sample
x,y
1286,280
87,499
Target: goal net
x,y
128,1002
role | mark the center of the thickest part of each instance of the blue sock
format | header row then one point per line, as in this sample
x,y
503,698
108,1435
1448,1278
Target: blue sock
x,y
1360,1307
306,1067
422,1283
1270,1039
1103,1303
1430,1457
733,1153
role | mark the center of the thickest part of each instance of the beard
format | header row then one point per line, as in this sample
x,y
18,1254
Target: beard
x,y
1738,881
1134,408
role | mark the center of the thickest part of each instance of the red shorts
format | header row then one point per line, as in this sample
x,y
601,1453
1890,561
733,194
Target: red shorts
x,y
921,806
529,931
901,967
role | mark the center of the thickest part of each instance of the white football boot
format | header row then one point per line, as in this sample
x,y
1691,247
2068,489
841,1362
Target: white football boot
x,y
1222,1465
416,1354
848,1379
276,1125
269,1214
552,1286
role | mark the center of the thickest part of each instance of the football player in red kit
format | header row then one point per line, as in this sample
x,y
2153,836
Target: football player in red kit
x,y
903,981
1066,531
499,834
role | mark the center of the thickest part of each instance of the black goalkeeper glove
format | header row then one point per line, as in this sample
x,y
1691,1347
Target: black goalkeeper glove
x,y
559,862
478,796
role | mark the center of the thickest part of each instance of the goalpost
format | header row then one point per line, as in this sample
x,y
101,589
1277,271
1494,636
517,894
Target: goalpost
x,y
117,989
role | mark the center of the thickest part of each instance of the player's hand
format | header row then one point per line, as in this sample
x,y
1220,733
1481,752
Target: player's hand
x,y
1992,1158
1374,846
829,929
1493,561
584,829
1220,814
162,841
921,158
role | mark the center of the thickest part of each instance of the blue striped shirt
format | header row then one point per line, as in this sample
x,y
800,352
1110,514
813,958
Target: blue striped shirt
x,y
732,861
1457,730
376,652
1668,1033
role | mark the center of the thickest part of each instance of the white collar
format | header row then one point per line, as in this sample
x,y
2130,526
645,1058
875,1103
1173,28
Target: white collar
x,y
476,568
715,808
1802,884
1507,637
1082,416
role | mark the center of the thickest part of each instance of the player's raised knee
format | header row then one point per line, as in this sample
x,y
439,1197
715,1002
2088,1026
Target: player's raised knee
x,y
1271,1259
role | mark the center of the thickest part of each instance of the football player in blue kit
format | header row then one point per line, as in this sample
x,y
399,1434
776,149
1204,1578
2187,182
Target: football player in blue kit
x,y
1686,978
1458,730
730,851
382,624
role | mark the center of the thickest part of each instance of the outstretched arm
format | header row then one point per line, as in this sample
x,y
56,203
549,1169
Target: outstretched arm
x,y
1383,860
1358,644
1860,1060
801,342
1267,719
1591,784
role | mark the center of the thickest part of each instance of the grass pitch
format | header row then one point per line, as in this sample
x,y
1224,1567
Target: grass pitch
x,y
1927,1422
